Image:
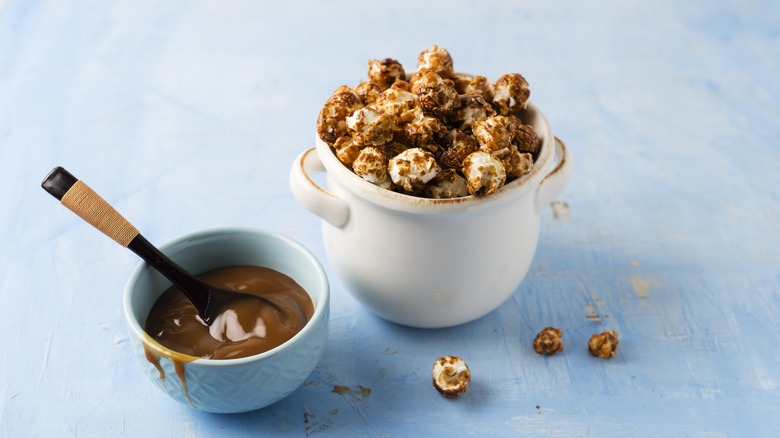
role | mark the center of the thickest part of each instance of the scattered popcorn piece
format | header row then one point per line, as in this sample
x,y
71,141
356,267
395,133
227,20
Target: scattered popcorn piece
x,y
462,145
484,172
332,120
603,345
494,135
412,169
402,105
346,150
385,72
517,163
471,108
451,376
368,92
371,165
370,127
510,93
437,60
437,96
447,184
548,341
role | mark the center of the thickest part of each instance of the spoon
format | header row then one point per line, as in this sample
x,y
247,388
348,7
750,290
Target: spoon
x,y
208,300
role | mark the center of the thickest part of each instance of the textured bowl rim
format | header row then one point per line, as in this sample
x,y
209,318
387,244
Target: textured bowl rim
x,y
320,310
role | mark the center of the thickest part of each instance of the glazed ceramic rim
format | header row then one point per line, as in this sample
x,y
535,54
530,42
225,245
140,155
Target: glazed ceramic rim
x,y
414,204
319,312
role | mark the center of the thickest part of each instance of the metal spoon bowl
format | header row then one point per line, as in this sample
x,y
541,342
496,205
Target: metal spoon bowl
x,y
209,300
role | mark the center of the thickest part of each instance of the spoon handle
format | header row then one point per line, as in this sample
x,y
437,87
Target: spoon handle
x,y
80,199
88,205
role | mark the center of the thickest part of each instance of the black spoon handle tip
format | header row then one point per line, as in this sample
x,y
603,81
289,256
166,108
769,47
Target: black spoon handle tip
x,y
58,182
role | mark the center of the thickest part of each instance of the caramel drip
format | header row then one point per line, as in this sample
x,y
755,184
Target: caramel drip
x,y
154,351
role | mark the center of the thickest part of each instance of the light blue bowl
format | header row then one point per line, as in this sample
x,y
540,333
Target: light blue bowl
x,y
244,384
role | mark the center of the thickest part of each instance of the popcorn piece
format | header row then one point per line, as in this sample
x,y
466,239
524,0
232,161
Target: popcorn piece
x,y
402,105
548,341
525,139
437,96
494,135
451,376
472,107
393,148
462,145
437,60
510,93
423,129
370,127
517,163
368,92
371,165
346,149
412,169
402,85
603,345
332,120
484,172
474,85
448,184
385,72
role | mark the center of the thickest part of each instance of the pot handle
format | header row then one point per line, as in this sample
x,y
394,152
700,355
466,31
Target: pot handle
x,y
317,200
555,181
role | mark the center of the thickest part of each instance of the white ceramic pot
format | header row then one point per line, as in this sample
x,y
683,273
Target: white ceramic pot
x,y
431,263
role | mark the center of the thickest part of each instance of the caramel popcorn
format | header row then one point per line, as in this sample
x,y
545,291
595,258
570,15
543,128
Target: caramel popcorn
x,y
371,165
385,72
447,184
603,345
517,164
402,85
524,138
484,172
437,96
437,60
332,121
510,93
451,376
494,135
437,134
462,145
368,92
471,108
393,148
402,105
548,341
475,86
422,131
346,150
412,169
370,127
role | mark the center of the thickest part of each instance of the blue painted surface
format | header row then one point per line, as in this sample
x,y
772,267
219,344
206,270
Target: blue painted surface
x,y
187,115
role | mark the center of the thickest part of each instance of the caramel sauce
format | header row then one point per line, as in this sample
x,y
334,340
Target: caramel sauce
x,y
243,328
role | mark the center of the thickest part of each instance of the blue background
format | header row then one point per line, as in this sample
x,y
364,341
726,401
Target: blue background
x,y
188,114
